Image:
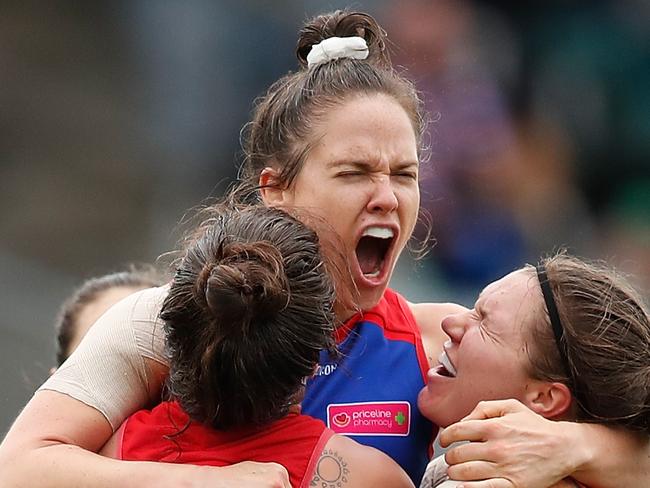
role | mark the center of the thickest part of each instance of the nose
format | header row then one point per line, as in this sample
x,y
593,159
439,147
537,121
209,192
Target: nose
x,y
382,197
454,326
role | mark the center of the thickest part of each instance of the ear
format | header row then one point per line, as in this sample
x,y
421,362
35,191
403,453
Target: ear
x,y
273,195
550,400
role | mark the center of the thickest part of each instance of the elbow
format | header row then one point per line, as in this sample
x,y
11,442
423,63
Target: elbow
x,y
22,459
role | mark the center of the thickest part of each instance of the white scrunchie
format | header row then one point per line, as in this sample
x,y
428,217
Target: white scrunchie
x,y
337,47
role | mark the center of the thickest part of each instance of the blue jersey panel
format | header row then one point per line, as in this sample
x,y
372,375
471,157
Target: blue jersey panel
x,y
370,394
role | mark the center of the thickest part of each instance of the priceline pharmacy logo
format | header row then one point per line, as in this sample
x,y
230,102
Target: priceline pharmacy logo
x,y
371,418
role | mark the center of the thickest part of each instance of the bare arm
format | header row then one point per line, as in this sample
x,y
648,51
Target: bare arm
x,y
50,445
611,457
345,463
514,447
54,440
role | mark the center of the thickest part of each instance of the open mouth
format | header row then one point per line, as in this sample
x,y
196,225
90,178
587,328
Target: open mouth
x,y
372,250
445,368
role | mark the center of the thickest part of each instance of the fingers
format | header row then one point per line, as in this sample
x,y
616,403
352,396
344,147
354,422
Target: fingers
x,y
467,430
493,483
462,453
495,408
566,483
251,474
281,474
482,423
473,470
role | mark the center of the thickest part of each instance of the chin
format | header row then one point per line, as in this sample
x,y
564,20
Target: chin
x,y
428,408
438,412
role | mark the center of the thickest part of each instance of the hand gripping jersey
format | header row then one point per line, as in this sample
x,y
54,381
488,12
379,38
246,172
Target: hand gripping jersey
x,y
370,392
166,434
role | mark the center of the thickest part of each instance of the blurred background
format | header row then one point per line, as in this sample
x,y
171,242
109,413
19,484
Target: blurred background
x,y
116,117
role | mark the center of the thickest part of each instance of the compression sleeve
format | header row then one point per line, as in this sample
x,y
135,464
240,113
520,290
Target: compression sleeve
x,y
108,370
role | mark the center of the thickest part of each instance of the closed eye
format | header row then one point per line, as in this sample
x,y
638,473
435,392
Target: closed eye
x,y
485,333
349,173
483,329
406,174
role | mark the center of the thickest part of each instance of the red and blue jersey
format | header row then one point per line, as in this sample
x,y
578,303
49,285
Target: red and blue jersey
x,y
370,392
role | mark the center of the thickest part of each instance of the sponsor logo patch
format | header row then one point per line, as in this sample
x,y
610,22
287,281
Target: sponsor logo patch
x,y
371,418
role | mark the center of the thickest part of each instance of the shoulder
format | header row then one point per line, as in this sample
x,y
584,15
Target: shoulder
x,y
142,305
133,326
345,463
429,316
130,341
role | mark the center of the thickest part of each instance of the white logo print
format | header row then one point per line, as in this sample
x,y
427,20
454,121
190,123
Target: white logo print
x,y
325,369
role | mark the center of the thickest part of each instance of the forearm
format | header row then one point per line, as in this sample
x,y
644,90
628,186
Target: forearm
x,y
59,465
609,457
51,444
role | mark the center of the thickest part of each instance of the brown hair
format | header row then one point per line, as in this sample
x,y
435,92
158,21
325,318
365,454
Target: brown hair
x,y
136,276
607,337
248,312
281,130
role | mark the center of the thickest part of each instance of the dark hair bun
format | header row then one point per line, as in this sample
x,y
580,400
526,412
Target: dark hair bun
x,y
342,23
249,282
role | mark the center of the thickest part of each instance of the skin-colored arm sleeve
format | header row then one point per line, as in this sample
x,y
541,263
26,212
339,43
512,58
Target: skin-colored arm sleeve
x,y
111,369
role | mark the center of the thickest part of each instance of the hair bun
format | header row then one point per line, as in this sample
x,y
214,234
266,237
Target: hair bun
x,y
248,282
343,23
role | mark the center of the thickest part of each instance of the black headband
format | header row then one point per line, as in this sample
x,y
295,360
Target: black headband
x,y
556,324
558,332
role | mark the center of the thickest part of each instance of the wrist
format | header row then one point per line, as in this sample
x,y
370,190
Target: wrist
x,y
169,475
581,440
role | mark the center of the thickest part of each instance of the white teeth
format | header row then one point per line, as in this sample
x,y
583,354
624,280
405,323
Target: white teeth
x,y
378,232
444,360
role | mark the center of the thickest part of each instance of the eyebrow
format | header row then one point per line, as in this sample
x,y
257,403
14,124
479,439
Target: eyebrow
x,y
480,295
480,309
349,162
367,166
407,164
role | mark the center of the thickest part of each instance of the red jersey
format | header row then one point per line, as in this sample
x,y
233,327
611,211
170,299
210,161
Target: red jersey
x,y
295,441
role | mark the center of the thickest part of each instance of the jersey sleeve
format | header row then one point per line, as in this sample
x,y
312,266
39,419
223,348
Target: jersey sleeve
x,y
108,370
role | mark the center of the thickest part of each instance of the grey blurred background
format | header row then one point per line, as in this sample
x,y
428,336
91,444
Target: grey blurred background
x,y
116,117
